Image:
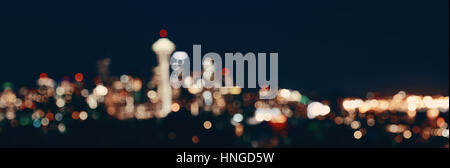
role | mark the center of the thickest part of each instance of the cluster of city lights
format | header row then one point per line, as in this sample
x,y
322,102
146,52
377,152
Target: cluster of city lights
x,y
402,115
125,98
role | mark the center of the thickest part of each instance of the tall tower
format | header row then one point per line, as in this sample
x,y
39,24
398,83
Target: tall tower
x,y
163,48
103,70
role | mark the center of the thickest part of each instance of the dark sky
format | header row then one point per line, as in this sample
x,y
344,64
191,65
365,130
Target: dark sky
x,y
324,47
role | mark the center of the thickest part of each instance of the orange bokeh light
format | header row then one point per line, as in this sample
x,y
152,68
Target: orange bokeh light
x,y
75,115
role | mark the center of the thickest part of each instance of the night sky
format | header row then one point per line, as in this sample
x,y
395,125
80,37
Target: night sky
x,y
325,47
